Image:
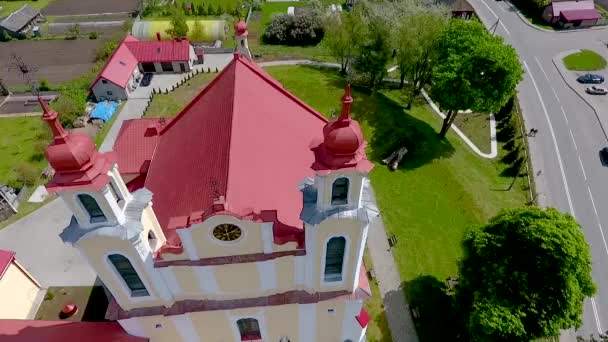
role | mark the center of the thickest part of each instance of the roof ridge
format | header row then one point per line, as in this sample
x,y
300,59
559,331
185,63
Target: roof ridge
x,y
284,91
105,66
229,148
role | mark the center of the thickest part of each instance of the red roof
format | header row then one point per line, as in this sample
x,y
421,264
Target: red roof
x,y
243,138
14,330
581,14
136,143
160,51
6,258
120,65
363,318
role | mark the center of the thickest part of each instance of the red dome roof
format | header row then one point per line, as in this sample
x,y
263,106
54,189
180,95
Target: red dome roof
x,y
240,28
343,136
74,153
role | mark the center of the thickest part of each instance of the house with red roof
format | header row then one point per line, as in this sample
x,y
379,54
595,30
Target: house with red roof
x,y
123,70
572,14
241,219
20,293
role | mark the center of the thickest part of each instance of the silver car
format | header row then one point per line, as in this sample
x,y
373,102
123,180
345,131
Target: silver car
x,y
593,90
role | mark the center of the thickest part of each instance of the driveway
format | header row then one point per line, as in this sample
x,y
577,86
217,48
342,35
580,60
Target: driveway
x,y
35,239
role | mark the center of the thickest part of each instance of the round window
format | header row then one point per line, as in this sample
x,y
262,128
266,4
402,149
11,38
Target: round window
x,y
227,232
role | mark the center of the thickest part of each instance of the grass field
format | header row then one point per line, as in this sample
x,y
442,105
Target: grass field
x,y
585,60
169,105
22,140
476,126
440,190
90,300
9,7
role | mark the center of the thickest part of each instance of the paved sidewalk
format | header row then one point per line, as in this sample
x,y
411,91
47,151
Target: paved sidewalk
x,y
133,109
395,305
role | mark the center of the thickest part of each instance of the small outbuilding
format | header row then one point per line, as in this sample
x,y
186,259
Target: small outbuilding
x,y
572,14
20,22
459,8
19,291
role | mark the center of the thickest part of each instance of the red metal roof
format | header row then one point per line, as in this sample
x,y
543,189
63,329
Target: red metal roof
x,y
14,330
136,143
120,65
160,51
581,14
363,318
244,138
6,258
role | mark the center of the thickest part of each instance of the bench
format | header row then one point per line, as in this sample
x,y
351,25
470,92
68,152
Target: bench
x,y
392,241
371,274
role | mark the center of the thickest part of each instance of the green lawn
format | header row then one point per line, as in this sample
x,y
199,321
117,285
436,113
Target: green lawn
x,y
585,60
9,7
23,139
440,189
377,329
90,300
473,125
169,105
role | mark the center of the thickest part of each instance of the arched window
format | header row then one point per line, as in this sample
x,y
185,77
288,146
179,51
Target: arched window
x,y
334,259
249,329
92,208
339,191
129,275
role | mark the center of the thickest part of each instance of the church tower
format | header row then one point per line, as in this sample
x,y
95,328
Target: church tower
x,y
240,37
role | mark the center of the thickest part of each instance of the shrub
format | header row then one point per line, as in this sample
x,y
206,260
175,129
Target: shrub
x,y
93,35
202,10
44,85
70,105
26,173
4,37
301,30
106,50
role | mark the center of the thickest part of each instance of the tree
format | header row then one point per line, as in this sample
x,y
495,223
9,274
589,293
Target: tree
x,y
202,10
474,70
417,39
197,34
375,52
524,275
342,33
179,27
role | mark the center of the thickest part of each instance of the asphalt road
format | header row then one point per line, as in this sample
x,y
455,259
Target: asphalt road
x,y
564,153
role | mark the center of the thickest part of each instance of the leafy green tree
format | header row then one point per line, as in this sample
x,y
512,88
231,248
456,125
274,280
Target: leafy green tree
x,y
342,34
474,70
417,40
198,34
524,275
202,10
210,10
179,27
375,52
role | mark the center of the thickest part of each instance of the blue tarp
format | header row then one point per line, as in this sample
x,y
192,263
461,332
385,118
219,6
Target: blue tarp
x,y
104,110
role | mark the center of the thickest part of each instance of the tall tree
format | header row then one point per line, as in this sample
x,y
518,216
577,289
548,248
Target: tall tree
x,y
197,34
375,52
179,27
342,35
474,70
417,39
524,275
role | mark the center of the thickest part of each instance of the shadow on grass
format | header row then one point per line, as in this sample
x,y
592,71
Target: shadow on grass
x,y
95,311
428,297
394,127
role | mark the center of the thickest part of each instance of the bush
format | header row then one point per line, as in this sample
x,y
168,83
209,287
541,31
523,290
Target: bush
x,y
44,85
301,30
26,173
70,106
93,35
4,37
106,50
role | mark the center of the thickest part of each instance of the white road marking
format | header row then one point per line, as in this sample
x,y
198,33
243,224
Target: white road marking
x,y
564,114
559,157
597,317
504,27
483,2
574,142
547,77
582,168
497,17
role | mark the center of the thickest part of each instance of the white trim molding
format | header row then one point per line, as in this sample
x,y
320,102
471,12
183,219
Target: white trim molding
x,y
345,265
307,322
185,327
300,270
171,280
351,330
185,235
123,285
267,237
310,237
268,274
206,280
359,257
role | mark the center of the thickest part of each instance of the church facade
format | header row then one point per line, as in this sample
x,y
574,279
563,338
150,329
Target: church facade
x,y
238,220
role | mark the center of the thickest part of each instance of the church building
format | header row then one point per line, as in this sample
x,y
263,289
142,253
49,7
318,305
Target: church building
x,y
240,219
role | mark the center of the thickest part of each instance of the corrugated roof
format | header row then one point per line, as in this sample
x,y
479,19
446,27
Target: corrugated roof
x,y
585,14
243,137
160,51
559,6
19,19
119,67
15,330
6,258
136,143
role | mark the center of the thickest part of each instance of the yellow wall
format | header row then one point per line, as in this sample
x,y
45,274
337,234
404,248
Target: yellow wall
x,y
212,326
188,282
329,325
17,294
150,222
96,250
166,332
241,280
286,269
281,321
207,246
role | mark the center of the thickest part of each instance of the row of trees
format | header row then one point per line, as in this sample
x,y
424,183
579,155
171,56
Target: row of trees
x,y
462,63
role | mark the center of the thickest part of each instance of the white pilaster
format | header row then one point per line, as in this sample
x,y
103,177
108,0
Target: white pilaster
x,y
170,279
185,235
132,326
311,255
206,280
307,321
351,330
157,280
300,270
359,256
267,237
185,328
268,274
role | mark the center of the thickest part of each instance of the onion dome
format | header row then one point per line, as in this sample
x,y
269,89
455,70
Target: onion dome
x,y
343,135
73,156
240,28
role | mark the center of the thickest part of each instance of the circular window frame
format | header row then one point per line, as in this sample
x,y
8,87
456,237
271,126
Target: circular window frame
x,y
222,242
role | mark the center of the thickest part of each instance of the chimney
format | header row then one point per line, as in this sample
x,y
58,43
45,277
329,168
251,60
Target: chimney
x,y
158,36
